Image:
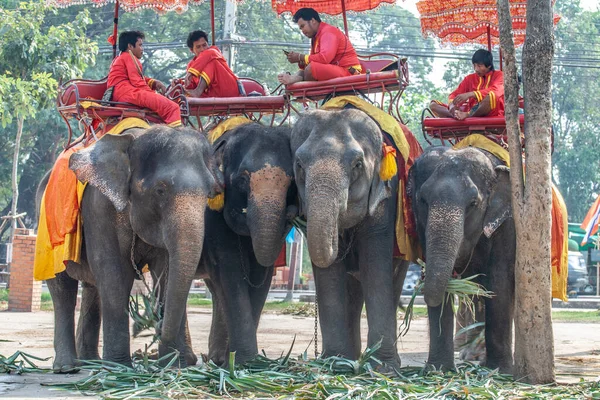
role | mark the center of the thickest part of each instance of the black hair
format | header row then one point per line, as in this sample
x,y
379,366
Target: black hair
x,y
129,37
307,14
484,57
195,36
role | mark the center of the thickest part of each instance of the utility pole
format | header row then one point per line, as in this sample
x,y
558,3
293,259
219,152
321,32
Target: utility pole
x,y
229,31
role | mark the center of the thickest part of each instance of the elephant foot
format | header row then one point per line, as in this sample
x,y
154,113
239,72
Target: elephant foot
x,y
440,366
67,365
505,367
190,357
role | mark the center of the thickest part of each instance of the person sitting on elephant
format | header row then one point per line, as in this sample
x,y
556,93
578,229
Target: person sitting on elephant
x,y
331,53
131,86
208,74
480,94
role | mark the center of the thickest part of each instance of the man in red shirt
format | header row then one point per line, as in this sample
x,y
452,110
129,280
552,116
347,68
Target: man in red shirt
x,y
479,95
131,86
331,53
208,74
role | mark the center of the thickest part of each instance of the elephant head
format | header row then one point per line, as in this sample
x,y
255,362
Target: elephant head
x,y
259,193
457,196
337,156
160,178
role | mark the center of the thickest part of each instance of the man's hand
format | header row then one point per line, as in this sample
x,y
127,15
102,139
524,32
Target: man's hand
x,y
160,87
461,98
295,58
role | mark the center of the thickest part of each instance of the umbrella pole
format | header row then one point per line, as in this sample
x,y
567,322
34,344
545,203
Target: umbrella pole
x,y
344,14
212,20
500,55
115,27
489,37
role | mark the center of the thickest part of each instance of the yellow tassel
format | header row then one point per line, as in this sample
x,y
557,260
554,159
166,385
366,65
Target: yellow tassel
x,y
216,203
388,168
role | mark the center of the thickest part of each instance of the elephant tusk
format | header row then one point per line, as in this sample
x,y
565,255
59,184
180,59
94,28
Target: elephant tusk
x,y
244,211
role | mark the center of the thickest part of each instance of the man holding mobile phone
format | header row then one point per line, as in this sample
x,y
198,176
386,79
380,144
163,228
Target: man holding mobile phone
x,y
331,53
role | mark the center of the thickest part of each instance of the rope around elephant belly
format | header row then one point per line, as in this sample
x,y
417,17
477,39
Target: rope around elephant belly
x,y
246,271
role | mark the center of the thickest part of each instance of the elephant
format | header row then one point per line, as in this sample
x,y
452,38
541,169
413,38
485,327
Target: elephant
x,y
461,201
350,213
243,240
144,204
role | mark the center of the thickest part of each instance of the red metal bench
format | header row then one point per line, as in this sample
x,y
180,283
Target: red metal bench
x,y
452,130
82,99
257,101
388,76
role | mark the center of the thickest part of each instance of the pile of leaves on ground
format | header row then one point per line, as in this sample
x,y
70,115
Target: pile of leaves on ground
x,y
299,378
300,309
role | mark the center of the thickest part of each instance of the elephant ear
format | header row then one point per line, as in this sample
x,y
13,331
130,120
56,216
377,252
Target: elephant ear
x,y
499,204
218,160
378,192
105,165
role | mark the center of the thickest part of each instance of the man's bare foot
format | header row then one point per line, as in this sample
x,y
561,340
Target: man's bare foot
x,y
460,115
288,79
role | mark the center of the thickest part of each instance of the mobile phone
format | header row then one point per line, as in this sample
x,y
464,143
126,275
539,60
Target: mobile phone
x,y
286,52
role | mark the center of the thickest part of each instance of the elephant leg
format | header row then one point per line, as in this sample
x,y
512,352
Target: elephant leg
x,y
218,339
114,288
441,343
88,327
190,357
355,306
472,349
376,274
499,310
63,290
332,301
400,269
241,324
261,278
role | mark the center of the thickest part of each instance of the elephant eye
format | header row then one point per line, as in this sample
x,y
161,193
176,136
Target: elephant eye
x,y
359,164
160,191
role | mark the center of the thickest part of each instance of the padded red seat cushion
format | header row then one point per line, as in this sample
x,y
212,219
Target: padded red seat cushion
x,y
474,123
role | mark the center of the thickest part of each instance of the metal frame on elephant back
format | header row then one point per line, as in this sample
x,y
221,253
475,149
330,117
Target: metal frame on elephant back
x,y
459,22
82,99
384,73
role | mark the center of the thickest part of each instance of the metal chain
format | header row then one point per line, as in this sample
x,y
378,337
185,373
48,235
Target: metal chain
x,y
246,271
141,275
316,338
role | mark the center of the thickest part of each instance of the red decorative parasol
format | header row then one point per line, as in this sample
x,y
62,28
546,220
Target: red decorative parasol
x,y
330,7
160,6
471,21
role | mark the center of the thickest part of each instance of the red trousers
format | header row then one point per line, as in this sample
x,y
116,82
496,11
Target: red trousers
x,y
167,109
323,72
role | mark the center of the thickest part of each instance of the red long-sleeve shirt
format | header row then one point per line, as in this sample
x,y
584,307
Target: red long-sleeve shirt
x,y
127,70
332,46
212,67
492,83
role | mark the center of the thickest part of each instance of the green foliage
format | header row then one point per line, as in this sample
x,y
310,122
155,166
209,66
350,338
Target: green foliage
x,y
575,98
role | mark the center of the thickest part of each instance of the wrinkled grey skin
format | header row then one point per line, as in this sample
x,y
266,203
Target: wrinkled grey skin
x,y
350,217
243,240
462,206
147,183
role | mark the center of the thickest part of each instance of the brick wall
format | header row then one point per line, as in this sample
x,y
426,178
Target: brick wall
x,y
25,293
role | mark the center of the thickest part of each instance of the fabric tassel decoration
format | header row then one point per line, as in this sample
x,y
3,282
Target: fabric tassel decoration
x,y
216,203
388,168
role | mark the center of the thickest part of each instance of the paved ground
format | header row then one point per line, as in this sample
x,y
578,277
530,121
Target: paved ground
x,y
577,346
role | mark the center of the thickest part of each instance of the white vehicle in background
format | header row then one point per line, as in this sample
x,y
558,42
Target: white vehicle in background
x,y
578,281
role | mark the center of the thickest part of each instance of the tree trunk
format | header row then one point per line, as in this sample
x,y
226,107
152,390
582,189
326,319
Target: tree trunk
x,y
15,183
532,199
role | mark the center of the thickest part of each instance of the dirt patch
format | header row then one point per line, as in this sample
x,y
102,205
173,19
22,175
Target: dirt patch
x,y
576,346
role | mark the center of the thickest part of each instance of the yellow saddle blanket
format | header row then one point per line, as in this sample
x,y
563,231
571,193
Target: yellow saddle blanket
x,y
59,236
560,223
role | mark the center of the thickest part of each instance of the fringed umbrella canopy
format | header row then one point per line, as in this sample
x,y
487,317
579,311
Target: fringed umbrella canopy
x,y
160,6
459,22
330,7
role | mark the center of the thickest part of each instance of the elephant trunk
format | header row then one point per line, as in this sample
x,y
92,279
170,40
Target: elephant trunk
x,y
324,195
266,222
444,233
184,238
